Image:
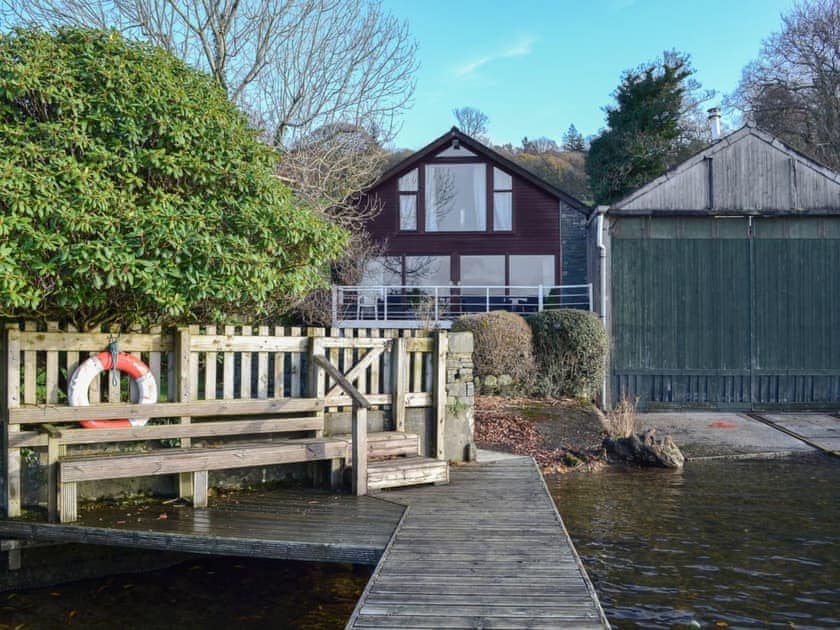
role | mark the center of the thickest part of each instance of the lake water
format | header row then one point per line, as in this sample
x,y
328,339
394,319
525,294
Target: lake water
x,y
719,544
206,593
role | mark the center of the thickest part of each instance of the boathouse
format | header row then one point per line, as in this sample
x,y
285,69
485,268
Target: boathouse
x,y
718,280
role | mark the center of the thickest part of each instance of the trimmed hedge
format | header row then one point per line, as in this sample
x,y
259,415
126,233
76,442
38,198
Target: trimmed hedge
x,y
570,347
502,346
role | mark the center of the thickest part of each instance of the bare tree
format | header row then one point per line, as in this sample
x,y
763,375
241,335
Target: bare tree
x,y
543,144
298,67
472,122
793,88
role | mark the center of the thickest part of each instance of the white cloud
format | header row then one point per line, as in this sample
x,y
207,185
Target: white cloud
x,y
519,49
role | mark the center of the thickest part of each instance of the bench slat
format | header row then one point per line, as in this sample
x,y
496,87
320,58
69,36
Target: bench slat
x,y
195,429
179,460
199,408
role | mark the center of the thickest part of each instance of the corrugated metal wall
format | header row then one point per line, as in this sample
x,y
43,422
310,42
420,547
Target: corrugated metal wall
x,y
726,312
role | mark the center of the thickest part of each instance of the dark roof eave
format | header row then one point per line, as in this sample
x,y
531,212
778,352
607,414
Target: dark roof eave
x,y
722,213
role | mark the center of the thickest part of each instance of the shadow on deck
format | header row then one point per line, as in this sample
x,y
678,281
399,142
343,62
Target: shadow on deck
x,y
300,524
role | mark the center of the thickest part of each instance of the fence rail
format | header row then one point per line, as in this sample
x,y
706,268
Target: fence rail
x,y
435,306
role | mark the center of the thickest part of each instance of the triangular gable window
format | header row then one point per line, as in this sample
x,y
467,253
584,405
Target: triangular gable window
x,y
452,152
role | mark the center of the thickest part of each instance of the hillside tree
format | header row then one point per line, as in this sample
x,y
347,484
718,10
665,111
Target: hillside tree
x,y
793,88
654,124
133,191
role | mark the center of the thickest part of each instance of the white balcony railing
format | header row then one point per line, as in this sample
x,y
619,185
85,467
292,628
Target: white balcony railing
x,y
430,306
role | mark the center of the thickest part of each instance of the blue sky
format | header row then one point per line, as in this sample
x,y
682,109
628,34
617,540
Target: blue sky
x,y
535,66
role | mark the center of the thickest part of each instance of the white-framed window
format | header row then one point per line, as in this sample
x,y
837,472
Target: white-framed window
x,y
502,201
408,186
382,271
427,270
482,271
456,197
531,270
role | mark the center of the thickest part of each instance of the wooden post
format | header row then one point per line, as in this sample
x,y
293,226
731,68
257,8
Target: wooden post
x,y
183,374
316,383
316,379
68,502
279,368
210,379
360,415
228,368
399,382
294,364
360,409
11,377
200,487
262,368
54,449
441,348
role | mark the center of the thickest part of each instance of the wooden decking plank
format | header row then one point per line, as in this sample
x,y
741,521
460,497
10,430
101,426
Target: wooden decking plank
x,y
487,551
280,524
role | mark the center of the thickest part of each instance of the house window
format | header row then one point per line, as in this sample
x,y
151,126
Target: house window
x,y
456,198
427,270
459,152
502,201
408,186
382,271
531,271
482,271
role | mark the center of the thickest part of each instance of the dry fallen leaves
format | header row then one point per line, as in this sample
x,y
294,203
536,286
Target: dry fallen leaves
x,y
498,426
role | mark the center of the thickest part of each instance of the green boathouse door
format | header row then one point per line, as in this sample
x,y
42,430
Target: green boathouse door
x,y
726,312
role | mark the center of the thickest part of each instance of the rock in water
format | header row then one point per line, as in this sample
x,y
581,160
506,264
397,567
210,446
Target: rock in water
x,y
645,450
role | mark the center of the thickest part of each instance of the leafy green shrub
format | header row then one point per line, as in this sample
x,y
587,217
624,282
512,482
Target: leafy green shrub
x,y
570,348
502,346
132,190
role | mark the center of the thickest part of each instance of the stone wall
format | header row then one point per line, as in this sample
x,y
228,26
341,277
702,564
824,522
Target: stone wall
x,y
460,398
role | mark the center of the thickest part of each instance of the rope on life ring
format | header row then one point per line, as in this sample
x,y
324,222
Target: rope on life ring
x,y
77,390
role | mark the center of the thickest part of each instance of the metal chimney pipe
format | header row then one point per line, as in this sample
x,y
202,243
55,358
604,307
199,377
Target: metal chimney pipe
x,y
714,123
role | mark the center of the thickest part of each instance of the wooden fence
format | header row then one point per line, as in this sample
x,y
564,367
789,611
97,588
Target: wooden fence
x,y
204,371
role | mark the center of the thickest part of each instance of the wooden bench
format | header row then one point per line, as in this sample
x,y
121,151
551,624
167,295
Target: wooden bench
x,y
197,461
290,430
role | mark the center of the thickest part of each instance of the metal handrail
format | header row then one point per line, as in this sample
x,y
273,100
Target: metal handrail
x,y
436,303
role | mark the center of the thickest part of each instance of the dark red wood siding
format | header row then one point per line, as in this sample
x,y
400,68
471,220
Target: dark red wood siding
x,y
536,226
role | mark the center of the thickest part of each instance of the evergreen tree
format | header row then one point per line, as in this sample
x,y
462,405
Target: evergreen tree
x,y
573,140
134,192
650,128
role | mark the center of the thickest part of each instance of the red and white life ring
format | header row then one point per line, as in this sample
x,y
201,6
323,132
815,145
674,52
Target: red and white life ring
x,y
77,390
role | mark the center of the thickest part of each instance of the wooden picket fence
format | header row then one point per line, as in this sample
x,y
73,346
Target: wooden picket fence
x,y
200,371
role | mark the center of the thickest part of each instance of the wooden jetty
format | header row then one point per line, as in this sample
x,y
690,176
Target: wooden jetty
x,y
280,524
487,551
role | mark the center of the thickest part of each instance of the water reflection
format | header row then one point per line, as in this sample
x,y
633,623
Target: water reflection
x,y
209,592
720,544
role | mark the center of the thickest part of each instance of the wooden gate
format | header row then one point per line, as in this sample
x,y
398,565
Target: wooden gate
x,y
740,313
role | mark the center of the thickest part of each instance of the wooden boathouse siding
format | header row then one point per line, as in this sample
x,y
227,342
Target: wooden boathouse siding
x,y
722,281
